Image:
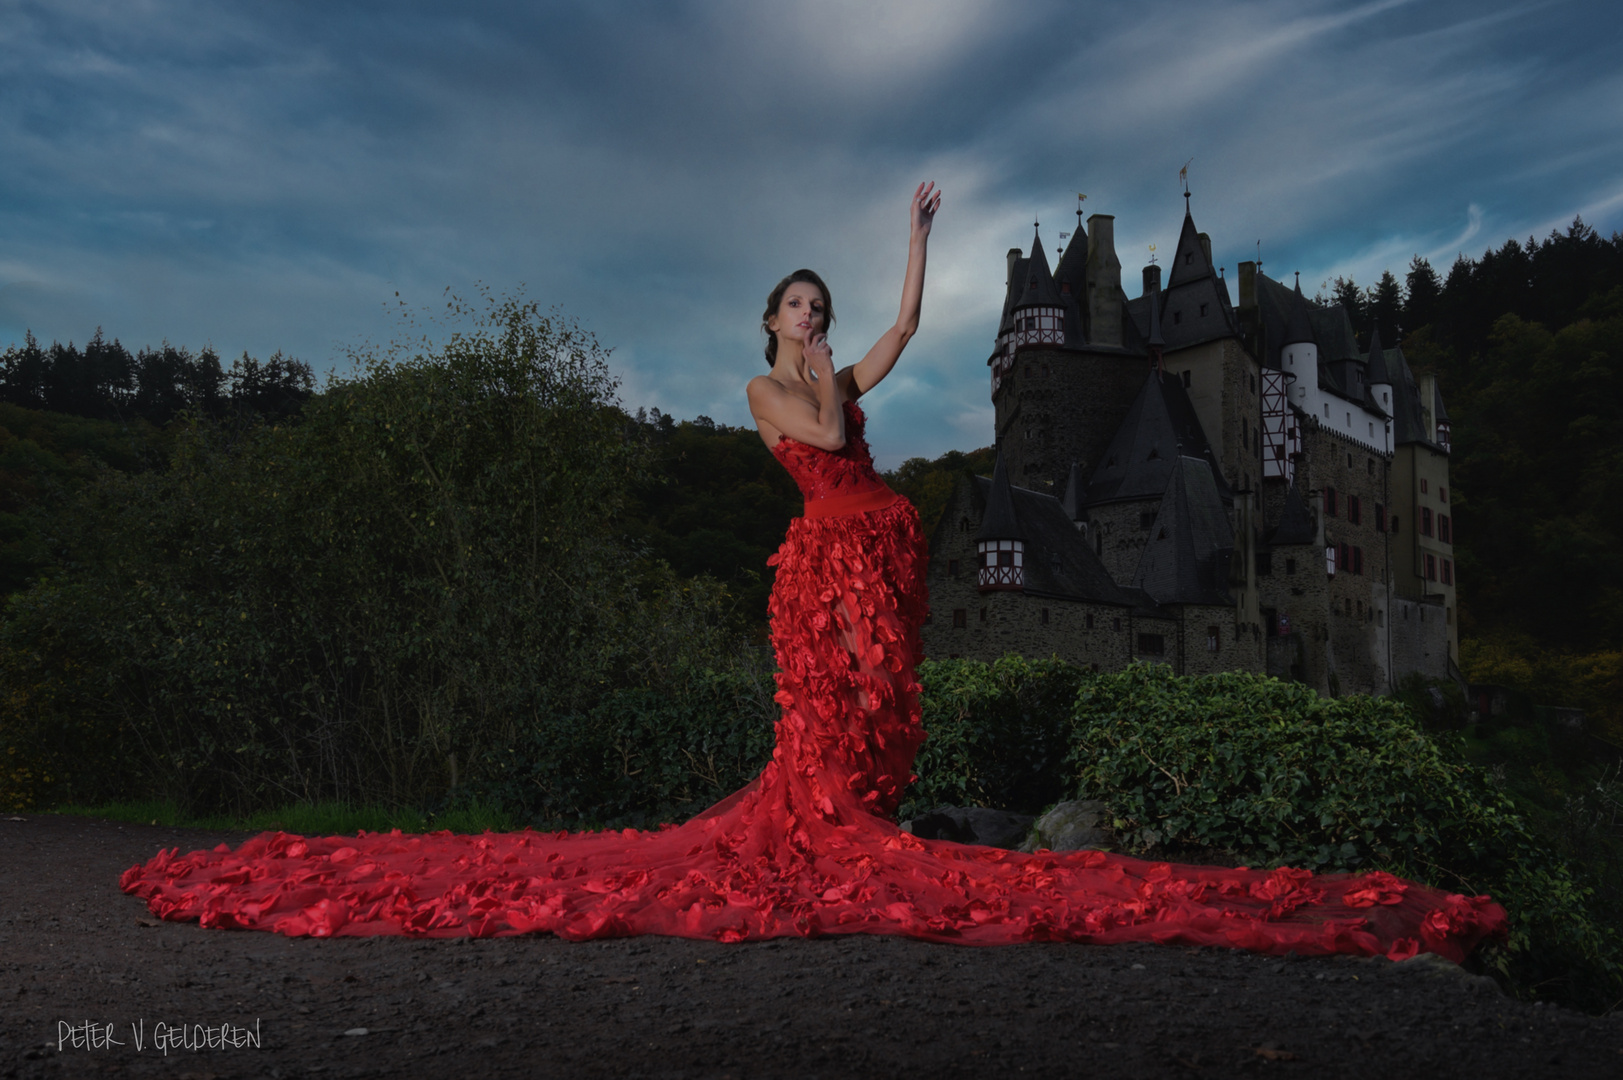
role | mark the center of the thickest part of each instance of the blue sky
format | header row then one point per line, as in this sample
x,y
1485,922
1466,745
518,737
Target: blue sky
x,y
266,176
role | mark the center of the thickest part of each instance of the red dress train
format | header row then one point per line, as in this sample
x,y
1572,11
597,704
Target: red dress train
x,y
809,847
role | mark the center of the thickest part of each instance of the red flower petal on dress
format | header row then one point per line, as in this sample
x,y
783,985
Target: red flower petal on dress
x,y
1403,949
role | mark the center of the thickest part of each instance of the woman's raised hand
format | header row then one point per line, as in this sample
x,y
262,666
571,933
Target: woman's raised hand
x,y
926,201
819,359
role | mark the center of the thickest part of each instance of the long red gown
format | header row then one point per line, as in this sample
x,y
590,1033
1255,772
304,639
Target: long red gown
x,y
809,847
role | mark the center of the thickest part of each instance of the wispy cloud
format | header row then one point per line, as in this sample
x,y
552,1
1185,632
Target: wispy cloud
x,y
267,176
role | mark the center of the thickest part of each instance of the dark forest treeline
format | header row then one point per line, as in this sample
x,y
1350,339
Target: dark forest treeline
x,y
105,381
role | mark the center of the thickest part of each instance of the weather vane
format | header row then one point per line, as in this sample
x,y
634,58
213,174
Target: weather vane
x,y
1152,254
1183,178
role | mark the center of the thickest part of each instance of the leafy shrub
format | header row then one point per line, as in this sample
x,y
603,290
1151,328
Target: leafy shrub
x,y
1277,775
639,756
361,606
996,734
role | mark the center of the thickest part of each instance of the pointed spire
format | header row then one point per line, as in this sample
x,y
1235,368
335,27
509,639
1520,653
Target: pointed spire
x,y
1000,522
1040,290
1190,262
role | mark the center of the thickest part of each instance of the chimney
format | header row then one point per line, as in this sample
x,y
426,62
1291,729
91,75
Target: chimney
x,y
1008,269
1248,286
1152,279
1206,246
1104,280
1428,395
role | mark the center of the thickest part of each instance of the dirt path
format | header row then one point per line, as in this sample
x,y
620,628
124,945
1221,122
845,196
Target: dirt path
x,y
74,949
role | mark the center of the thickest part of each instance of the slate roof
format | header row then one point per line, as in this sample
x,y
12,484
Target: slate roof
x,y
1017,278
1159,428
1075,500
1438,412
999,522
1077,574
1186,560
1295,522
1298,325
1375,364
1408,422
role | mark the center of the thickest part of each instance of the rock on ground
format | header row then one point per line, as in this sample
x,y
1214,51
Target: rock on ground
x,y
74,949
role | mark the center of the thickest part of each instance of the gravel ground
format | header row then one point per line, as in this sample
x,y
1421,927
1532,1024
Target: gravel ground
x,y
77,955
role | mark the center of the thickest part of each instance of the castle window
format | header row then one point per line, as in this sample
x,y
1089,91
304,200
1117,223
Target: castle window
x,y
1152,645
983,615
1355,510
963,524
1045,617
1330,560
1380,518
1358,560
1265,564
952,567
1448,571
1422,487
1115,624
1349,456
1431,568
1211,639
1162,535
1188,257
1177,317
1089,620
1425,521
1329,502
1146,519
1394,524
1186,377
960,618
1203,311
1442,494
1369,463
1290,566
1372,429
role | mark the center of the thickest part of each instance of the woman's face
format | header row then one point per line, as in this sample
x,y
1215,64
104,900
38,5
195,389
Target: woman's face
x,y
800,312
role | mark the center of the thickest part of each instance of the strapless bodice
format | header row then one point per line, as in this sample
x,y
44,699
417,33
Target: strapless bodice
x,y
833,474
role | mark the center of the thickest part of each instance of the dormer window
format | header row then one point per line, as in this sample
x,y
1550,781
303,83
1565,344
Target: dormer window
x,y
1177,317
1188,258
1203,311
1002,564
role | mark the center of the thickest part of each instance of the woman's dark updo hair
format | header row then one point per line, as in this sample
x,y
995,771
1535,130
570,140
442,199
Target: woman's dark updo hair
x,y
810,278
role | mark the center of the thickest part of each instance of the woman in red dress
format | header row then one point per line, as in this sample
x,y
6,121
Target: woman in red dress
x,y
811,845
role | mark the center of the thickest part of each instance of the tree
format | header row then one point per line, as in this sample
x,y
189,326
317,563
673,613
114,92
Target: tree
x,y
1422,290
1385,308
1351,298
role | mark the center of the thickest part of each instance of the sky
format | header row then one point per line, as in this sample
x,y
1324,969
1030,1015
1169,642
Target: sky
x,y
260,177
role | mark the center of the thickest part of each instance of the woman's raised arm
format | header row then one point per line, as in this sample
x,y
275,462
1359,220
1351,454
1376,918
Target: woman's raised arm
x,y
866,373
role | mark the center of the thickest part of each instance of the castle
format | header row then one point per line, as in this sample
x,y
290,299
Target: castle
x,y
1212,485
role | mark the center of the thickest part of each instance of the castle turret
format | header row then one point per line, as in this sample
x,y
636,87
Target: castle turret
x,y
1000,544
1299,351
1039,317
1377,374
